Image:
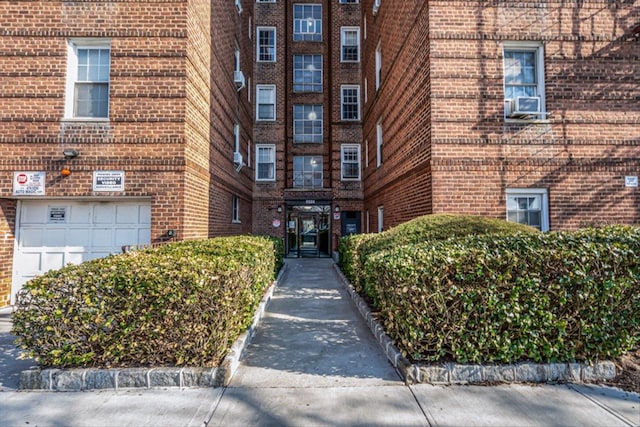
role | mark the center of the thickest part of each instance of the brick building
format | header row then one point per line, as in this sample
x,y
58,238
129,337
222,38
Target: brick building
x,y
146,121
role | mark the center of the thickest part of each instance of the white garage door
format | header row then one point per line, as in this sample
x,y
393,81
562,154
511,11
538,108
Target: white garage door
x,y
54,233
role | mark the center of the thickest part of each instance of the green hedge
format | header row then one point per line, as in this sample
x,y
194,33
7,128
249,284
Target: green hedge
x,y
181,304
355,249
544,297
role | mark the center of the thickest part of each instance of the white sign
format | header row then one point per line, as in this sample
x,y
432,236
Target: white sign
x,y
57,214
630,181
276,223
29,183
108,180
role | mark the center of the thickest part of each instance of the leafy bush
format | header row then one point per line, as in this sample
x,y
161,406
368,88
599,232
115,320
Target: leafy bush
x,y
180,304
543,297
354,250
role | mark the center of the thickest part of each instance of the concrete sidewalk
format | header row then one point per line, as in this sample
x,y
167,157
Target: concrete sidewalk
x,y
313,361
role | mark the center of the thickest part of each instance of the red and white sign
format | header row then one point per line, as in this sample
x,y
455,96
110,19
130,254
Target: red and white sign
x,y
29,183
276,223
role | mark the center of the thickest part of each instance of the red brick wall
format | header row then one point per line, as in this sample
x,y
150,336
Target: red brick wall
x,y
441,101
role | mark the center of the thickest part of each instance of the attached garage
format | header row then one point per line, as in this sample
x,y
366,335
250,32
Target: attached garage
x,y
53,233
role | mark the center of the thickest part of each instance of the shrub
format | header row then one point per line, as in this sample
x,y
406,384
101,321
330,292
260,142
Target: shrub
x,y
543,297
180,304
354,250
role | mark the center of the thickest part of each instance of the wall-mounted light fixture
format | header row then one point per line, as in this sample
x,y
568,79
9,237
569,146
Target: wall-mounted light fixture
x,y
279,209
336,209
70,153
171,233
65,172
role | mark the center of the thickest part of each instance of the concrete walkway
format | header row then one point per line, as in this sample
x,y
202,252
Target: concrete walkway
x,y
313,362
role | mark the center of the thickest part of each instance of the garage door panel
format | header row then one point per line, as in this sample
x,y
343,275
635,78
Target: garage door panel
x,y
144,214
80,214
54,237
79,237
35,213
104,213
144,235
95,255
31,237
29,263
74,257
52,261
102,237
126,236
127,214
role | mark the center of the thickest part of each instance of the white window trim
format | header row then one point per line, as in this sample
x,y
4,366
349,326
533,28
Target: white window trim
x,y
380,219
379,143
72,68
315,25
257,163
275,43
540,76
366,153
343,31
302,69
342,162
261,86
378,65
312,135
544,220
342,88
236,137
235,210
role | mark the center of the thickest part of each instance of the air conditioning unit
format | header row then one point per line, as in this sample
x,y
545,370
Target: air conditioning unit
x,y
237,158
239,6
522,106
238,79
376,6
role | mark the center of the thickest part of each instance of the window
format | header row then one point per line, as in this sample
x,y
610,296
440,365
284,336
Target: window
x,y
307,73
350,102
378,66
88,79
265,162
236,137
307,22
523,79
236,209
307,172
348,1
249,153
528,206
266,102
379,144
366,89
380,219
350,155
366,153
307,123
236,59
350,44
266,44
266,1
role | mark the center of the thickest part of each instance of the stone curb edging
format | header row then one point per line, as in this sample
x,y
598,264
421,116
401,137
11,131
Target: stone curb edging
x,y
451,373
149,378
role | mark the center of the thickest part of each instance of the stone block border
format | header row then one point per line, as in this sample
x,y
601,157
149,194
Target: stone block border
x,y
451,373
149,378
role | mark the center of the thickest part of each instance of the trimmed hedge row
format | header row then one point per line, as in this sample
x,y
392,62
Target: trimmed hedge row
x,y
355,249
549,297
181,304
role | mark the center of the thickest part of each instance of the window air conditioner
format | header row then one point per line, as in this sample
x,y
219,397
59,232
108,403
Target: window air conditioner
x,y
237,158
238,6
522,106
376,6
238,79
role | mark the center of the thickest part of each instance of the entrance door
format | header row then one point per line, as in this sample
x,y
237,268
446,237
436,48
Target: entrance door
x,y
308,231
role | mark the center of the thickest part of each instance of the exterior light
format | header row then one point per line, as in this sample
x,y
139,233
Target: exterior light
x,y
70,153
336,209
279,209
65,172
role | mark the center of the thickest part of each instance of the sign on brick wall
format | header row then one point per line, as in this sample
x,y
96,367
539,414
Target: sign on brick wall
x,y
108,180
29,183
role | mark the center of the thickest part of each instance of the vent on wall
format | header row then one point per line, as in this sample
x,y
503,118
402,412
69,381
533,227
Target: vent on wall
x,y
238,79
522,106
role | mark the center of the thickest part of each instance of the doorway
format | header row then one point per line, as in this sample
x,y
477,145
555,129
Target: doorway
x,y
308,231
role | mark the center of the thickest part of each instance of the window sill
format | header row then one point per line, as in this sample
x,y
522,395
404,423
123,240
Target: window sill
x,y
527,121
265,181
236,222
86,119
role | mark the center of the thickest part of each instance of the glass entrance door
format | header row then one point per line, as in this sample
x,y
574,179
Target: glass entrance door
x,y
308,231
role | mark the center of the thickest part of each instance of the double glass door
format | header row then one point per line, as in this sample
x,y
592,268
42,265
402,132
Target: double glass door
x,y
308,231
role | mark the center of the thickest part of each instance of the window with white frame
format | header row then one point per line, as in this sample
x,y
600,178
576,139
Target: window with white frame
x,y
88,68
236,209
265,1
378,65
307,123
350,160
266,39
307,22
348,1
379,144
380,219
265,162
307,171
524,79
266,102
528,206
350,102
307,73
236,137
350,44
